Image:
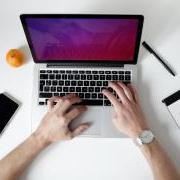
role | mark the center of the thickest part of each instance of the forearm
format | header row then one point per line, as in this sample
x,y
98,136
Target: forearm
x,y
16,161
161,165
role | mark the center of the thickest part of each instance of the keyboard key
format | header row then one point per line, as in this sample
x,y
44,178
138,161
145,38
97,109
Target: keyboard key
x,y
81,72
97,89
114,72
105,83
107,103
107,72
45,95
83,77
56,94
89,77
72,89
43,76
77,77
91,89
115,77
100,96
67,83
105,97
75,72
121,77
65,89
99,83
94,72
59,89
102,77
70,77
108,77
55,71
61,83
42,82
121,72
62,71
54,83
41,87
46,89
58,76
87,95
64,76
86,83
92,102
127,77
73,83
62,94
94,95
68,71
84,89
96,77
101,72
48,82
49,71
41,103
53,89
127,72
42,71
88,72
51,76
46,101
78,89
92,83
81,95
80,83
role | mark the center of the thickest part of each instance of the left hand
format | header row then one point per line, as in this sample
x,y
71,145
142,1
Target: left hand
x,y
55,124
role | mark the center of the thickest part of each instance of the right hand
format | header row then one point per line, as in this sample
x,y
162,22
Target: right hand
x,y
128,117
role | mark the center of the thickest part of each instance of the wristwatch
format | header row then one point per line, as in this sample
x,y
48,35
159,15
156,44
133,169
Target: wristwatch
x,y
145,137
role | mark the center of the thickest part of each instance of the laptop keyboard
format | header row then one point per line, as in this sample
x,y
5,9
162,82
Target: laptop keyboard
x,y
86,84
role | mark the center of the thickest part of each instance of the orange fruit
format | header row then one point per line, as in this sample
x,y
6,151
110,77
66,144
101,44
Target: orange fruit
x,y
14,57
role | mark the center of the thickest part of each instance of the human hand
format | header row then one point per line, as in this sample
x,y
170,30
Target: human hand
x,y
128,117
55,124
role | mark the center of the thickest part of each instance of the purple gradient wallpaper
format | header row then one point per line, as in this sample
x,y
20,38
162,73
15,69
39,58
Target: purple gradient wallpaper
x,y
83,39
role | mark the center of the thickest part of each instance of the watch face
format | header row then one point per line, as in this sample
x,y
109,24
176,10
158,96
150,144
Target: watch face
x,y
146,137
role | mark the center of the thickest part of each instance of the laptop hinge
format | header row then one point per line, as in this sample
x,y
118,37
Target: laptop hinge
x,y
80,65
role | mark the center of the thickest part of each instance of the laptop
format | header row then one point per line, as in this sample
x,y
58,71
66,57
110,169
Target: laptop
x,y
80,53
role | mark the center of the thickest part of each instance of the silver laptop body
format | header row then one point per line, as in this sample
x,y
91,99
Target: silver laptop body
x,y
99,116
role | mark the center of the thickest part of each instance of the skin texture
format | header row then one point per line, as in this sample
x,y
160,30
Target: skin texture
x,y
128,118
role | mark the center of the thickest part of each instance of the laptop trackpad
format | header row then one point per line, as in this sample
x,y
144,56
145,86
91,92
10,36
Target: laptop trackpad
x,y
93,116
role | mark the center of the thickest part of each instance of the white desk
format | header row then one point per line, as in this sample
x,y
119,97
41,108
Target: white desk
x,y
96,158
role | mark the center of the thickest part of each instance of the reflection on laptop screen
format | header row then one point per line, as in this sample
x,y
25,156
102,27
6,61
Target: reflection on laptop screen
x,y
83,39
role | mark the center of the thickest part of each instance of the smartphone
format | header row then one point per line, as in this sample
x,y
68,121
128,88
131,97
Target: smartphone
x,y
7,109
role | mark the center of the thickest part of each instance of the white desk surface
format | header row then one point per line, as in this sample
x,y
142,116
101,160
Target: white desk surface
x,y
96,158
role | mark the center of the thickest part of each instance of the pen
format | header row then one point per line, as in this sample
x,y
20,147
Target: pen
x,y
148,48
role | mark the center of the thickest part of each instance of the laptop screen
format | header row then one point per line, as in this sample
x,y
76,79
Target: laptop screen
x,y
82,39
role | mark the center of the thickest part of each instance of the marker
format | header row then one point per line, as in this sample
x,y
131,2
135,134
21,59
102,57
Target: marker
x,y
148,48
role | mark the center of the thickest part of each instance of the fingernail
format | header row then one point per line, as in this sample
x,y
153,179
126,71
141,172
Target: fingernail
x,y
104,90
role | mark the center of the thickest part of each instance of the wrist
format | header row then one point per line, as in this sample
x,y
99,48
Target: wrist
x,y
40,139
139,129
